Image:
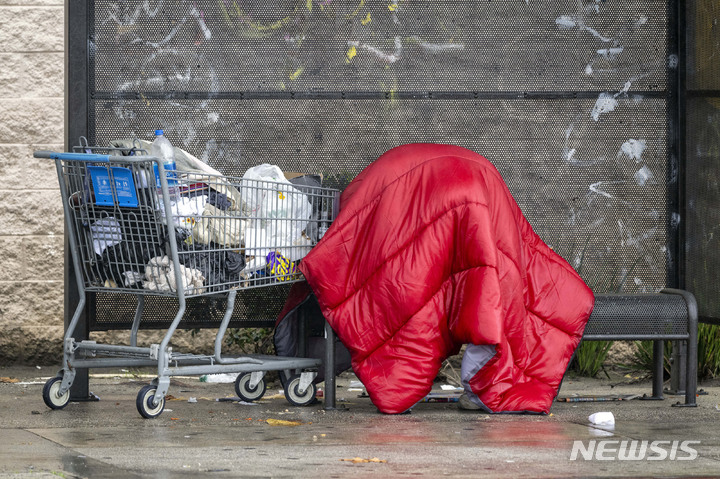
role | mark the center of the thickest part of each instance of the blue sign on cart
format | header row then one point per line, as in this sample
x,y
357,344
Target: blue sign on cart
x,y
124,190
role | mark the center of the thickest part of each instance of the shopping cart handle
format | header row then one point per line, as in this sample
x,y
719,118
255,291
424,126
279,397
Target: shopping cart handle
x,y
72,156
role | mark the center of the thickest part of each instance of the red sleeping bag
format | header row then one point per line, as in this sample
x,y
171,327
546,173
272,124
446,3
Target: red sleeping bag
x,y
429,252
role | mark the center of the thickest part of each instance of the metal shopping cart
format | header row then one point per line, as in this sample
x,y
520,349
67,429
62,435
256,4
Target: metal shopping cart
x,y
135,228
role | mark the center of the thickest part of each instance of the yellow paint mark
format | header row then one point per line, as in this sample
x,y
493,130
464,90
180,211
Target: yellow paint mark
x,y
393,7
350,54
225,13
258,26
356,460
367,20
296,73
308,4
281,422
121,29
357,10
272,26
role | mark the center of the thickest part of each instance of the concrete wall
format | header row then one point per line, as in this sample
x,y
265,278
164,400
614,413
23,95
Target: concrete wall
x,y
31,240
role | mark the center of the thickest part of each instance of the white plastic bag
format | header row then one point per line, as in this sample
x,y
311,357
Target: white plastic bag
x,y
281,212
604,418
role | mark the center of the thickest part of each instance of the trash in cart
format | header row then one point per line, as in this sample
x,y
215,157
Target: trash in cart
x,y
214,235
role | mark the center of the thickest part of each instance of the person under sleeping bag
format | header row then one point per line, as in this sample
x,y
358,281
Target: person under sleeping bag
x,y
430,251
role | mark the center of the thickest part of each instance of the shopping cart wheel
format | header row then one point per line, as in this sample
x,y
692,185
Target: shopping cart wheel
x,y
144,402
52,399
293,395
243,390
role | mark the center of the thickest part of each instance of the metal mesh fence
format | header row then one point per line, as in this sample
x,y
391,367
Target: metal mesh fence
x,y
702,188
568,99
389,46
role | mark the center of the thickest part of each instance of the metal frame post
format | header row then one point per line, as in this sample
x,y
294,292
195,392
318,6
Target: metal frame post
x,y
76,125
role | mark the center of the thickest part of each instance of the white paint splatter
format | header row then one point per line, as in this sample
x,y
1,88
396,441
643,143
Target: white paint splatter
x,y
206,31
169,37
151,13
394,10
675,220
610,53
673,61
213,117
123,113
570,155
595,188
637,281
437,47
627,239
642,20
567,22
633,149
643,175
184,79
390,58
605,103
295,39
588,69
131,18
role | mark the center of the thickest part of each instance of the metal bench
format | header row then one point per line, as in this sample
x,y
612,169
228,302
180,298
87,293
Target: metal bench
x,y
670,315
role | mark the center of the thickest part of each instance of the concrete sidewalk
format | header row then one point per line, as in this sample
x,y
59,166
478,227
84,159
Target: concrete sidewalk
x,y
211,438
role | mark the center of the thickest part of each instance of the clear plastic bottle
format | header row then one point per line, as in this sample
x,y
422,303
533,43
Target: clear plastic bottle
x,y
163,150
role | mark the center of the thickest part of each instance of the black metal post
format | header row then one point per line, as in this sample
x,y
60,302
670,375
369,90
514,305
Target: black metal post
x,y
329,367
658,368
675,144
76,125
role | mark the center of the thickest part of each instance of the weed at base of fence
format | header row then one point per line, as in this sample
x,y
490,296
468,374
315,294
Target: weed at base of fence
x,y
643,357
251,340
708,351
590,356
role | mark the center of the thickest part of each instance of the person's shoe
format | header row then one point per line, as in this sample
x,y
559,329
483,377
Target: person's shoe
x,y
465,403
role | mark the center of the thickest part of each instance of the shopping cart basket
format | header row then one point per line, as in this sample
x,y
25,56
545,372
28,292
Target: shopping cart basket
x,y
135,228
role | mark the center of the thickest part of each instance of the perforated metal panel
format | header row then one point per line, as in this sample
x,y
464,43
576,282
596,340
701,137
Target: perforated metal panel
x,y
571,100
702,241
115,311
294,45
638,314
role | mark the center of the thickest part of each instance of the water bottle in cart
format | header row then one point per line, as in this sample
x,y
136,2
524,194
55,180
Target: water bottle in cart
x,y
163,151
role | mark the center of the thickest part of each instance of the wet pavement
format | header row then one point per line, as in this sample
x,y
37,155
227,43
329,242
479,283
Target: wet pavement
x,y
211,438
